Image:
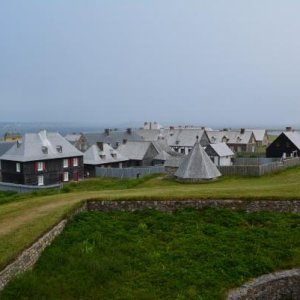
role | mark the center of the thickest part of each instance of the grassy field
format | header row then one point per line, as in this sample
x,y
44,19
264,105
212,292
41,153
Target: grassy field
x,y
23,218
152,255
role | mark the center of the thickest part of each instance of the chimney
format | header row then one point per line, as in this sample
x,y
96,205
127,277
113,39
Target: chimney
x,y
100,145
106,131
172,128
124,141
289,129
225,129
242,130
129,130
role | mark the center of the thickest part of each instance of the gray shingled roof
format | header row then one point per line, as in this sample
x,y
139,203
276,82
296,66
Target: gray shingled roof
x,y
221,149
174,162
73,138
233,137
197,166
95,156
31,148
294,137
259,134
182,137
5,146
135,150
150,135
113,138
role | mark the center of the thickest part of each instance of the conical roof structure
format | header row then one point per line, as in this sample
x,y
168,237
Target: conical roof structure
x,y
197,166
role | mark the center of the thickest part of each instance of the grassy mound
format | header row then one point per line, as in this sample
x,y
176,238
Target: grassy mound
x,y
152,255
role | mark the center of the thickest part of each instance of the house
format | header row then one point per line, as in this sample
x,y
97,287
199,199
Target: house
x,y
43,158
102,155
12,137
238,140
78,140
197,166
139,153
287,144
261,136
4,147
182,139
220,154
114,138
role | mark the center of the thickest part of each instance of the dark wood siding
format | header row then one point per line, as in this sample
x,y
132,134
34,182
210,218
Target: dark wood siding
x,y
281,145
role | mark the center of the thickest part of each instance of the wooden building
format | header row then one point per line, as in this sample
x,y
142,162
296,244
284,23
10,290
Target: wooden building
x,y
287,144
42,159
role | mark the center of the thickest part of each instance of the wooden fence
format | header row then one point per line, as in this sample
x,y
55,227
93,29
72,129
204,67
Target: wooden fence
x,y
259,169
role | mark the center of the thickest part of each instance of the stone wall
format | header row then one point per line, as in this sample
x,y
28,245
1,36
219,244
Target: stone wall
x,y
30,256
275,286
292,206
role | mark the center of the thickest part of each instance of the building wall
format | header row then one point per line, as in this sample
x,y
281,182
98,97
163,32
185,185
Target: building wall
x,y
280,146
53,172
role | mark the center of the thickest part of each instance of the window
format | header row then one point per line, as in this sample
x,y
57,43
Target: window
x,y
102,156
75,162
66,176
18,167
66,163
40,166
182,150
40,180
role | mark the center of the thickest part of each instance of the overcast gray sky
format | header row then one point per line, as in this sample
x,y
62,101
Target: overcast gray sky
x,y
208,62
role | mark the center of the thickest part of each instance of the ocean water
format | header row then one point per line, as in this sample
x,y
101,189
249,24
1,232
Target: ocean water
x,y
62,128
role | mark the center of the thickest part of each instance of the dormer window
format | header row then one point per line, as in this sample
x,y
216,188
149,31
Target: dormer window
x,y
177,142
102,156
44,149
59,148
114,155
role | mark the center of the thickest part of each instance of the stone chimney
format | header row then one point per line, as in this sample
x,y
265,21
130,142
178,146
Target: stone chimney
x,y
129,130
124,141
100,145
106,131
288,129
242,130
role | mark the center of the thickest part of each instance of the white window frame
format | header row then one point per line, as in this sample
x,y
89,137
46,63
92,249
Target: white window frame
x,y
66,176
41,180
75,162
65,163
18,167
40,166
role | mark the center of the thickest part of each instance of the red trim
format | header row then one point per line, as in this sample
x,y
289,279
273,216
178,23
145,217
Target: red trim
x,y
70,162
35,166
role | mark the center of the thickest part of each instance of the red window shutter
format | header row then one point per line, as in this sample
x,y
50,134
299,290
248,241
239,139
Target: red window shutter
x,y
78,159
35,166
70,162
44,166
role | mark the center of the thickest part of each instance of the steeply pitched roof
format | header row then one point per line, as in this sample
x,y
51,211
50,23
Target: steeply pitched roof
x,y
95,156
150,135
73,138
197,166
259,134
41,146
135,150
5,146
221,149
113,137
232,137
183,137
294,137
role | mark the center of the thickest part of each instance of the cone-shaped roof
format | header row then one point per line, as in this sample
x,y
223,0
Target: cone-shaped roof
x,y
197,165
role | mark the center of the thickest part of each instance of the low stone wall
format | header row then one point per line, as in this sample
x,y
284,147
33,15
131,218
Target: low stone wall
x,y
277,286
30,256
291,206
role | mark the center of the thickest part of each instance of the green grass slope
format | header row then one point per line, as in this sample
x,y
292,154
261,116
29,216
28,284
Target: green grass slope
x,y
152,255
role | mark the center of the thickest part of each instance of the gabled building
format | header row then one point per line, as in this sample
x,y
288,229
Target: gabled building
x,y
197,166
261,136
183,139
220,154
43,158
287,144
114,138
102,155
238,141
78,140
140,153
